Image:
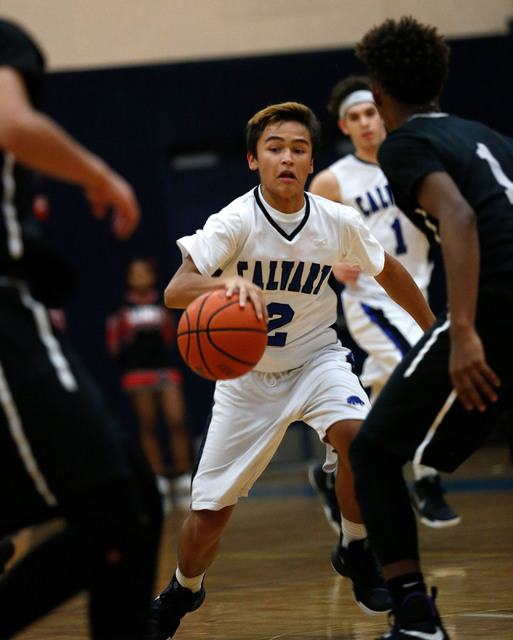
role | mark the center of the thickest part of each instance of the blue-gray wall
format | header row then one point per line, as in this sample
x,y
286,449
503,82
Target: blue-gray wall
x,y
145,120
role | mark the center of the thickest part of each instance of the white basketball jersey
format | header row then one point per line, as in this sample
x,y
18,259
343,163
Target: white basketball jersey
x,y
364,187
290,256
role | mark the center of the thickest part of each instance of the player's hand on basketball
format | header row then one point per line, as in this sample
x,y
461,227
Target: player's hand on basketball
x,y
473,380
247,291
113,193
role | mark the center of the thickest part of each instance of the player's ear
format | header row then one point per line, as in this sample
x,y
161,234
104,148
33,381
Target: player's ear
x,y
343,127
252,161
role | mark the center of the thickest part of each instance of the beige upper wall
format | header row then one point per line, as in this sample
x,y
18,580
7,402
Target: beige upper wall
x,y
78,34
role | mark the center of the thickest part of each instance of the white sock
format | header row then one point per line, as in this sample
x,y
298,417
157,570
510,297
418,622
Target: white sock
x,y
421,471
193,584
352,531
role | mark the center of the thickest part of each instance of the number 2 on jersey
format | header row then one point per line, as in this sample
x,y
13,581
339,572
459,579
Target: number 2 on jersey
x,y
279,315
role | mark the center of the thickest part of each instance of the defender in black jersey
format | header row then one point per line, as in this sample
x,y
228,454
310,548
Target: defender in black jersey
x,y
454,179
61,454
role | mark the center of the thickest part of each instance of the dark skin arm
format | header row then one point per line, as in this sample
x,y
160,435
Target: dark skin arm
x,y
473,379
39,143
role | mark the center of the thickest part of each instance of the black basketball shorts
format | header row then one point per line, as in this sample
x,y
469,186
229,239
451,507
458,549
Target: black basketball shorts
x,y
56,436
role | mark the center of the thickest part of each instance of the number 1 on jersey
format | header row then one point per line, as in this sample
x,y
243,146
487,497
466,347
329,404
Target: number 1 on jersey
x,y
400,247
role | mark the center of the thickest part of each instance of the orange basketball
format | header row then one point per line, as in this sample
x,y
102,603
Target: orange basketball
x,y
218,338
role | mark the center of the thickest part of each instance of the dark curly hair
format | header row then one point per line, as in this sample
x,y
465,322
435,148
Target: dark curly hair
x,y
408,60
343,88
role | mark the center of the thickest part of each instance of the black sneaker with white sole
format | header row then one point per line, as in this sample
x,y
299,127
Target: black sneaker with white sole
x,y
417,617
359,563
167,610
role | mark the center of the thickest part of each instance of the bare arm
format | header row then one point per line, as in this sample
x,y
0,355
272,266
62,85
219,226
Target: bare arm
x,y
39,143
472,378
401,287
326,185
188,283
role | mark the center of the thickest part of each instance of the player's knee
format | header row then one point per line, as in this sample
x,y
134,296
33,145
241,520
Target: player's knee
x,y
370,461
207,525
341,434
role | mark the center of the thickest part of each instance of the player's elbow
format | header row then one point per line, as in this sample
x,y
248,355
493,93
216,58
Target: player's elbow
x,y
174,297
169,298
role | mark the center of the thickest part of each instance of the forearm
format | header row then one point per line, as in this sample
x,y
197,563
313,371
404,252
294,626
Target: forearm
x,y
41,144
188,283
186,287
412,301
403,290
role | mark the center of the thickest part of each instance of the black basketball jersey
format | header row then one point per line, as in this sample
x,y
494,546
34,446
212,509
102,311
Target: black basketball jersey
x,y
23,254
16,187
479,160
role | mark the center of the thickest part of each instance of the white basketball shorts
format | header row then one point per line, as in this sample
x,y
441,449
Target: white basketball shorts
x,y
251,414
385,331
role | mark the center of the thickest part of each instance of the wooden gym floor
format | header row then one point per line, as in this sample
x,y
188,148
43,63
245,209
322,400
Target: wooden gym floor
x,y
273,579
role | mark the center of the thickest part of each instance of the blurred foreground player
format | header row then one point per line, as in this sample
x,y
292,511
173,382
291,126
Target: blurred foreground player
x,y
454,178
61,455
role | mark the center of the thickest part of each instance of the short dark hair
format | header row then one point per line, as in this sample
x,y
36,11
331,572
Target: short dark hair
x,y
284,112
409,60
344,88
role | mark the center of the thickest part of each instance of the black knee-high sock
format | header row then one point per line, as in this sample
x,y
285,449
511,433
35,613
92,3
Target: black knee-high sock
x,y
405,585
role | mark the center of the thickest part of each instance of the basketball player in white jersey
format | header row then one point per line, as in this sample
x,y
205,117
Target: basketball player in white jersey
x,y
377,324
276,246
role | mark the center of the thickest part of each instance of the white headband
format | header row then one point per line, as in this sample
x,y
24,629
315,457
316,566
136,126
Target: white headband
x,y
364,95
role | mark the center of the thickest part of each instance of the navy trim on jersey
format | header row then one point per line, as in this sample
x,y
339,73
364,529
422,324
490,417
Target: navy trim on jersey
x,y
379,318
287,236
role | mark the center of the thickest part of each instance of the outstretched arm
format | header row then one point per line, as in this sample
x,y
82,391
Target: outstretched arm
x,y
401,287
39,143
474,381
